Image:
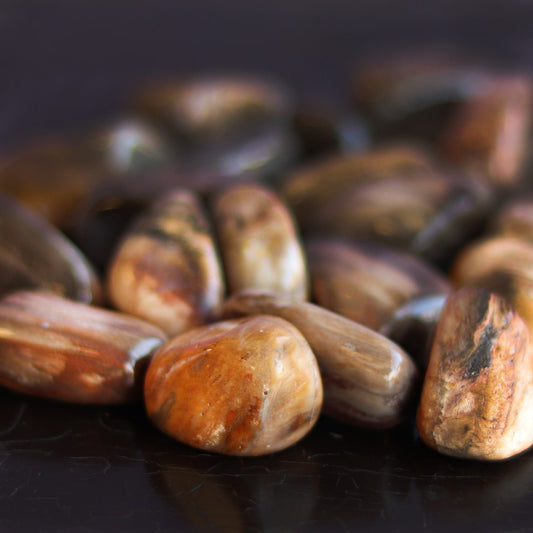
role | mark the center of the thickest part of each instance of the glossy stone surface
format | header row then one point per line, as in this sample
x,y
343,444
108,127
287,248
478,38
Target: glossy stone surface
x,y
238,387
308,189
414,94
127,145
368,282
503,265
477,398
34,254
413,325
62,350
368,380
259,243
490,134
206,110
428,214
166,270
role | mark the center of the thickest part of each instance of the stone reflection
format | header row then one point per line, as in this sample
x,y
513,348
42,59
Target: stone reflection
x,y
222,493
454,490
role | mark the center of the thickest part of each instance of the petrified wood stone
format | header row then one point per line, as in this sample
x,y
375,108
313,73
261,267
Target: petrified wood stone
x,y
63,350
166,269
367,282
308,189
368,380
415,94
490,134
238,387
33,254
258,241
208,110
503,265
477,398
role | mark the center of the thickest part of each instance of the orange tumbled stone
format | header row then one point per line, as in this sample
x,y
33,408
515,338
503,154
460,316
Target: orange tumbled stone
x,y
239,387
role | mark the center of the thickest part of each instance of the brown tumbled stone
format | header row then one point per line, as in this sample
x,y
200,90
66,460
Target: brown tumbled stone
x,y
367,282
258,241
415,94
490,134
393,196
368,380
208,110
477,398
34,254
500,264
308,189
63,350
237,387
166,270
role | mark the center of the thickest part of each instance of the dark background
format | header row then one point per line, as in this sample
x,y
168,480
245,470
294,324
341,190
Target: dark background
x,y
65,65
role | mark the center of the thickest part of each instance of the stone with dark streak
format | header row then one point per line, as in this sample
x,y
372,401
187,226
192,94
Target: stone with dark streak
x,y
500,264
477,398
62,350
393,196
166,270
368,380
238,387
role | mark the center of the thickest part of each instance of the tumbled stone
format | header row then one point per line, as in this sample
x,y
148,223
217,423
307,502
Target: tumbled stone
x,y
500,264
207,110
166,270
258,241
58,349
477,398
34,254
490,134
237,387
308,189
429,214
367,282
414,95
368,380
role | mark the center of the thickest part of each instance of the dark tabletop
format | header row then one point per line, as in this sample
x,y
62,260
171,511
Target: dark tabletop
x,y
69,64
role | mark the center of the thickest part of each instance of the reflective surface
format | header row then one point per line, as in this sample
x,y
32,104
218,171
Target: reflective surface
x,y
83,470
67,468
